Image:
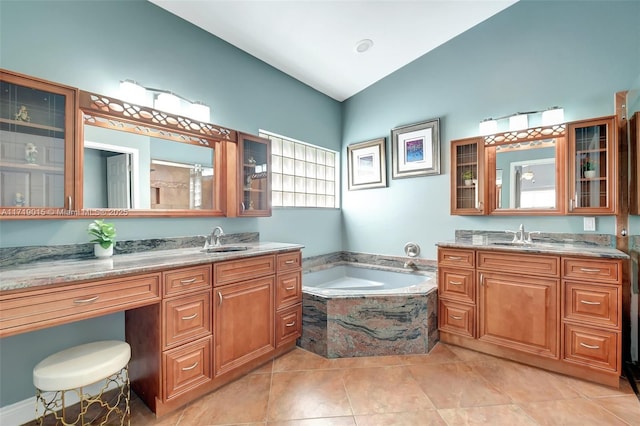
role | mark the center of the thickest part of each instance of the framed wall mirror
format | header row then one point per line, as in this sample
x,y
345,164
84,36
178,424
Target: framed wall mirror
x,y
149,162
525,172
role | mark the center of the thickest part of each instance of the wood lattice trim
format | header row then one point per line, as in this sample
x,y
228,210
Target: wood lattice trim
x,y
111,113
525,136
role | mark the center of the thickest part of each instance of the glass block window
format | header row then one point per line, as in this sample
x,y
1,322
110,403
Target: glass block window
x,y
303,175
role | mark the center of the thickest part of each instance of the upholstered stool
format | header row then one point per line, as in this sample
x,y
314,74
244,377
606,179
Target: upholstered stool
x,y
80,366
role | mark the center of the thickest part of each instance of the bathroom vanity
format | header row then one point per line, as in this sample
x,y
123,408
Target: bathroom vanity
x,y
195,321
554,306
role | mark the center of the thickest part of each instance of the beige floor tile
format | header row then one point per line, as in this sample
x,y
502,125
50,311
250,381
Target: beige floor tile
x,y
440,354
626,407
413,418
568,412
264,369
243,401
308,394
141,415
591,390
325,421
468,355
299,359
522,382
491,415
456,386
369,361
384,390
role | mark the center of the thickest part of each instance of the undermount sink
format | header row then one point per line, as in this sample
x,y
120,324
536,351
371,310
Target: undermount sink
x,y
223,249
532,244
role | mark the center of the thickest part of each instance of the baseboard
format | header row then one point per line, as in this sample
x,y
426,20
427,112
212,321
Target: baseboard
x,y
24,411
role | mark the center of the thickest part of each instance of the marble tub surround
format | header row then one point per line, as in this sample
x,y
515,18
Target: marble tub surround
x,y
595,245
35,274
11,256
356,325
372,261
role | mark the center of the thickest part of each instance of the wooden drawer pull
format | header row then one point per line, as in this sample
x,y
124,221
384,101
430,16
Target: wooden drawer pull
x,y
192,367
189,281
590,270
589,346
455,282
455,317
454,257
289,262
291,324
89,300
586,302
190,316
290,288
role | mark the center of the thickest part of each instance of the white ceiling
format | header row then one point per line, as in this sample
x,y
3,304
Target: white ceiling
x,y
314,40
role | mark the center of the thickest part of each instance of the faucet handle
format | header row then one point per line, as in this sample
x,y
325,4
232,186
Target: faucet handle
x,y
529,240
515,235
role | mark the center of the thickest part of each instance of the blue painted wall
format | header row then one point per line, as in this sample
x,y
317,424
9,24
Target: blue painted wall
x,y
531,56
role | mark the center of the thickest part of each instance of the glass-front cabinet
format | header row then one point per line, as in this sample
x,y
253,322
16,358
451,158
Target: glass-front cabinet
x,y
37,126
592,160
254,155
467,170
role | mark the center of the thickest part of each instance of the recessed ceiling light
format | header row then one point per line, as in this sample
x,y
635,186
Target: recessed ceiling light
x,y
363,45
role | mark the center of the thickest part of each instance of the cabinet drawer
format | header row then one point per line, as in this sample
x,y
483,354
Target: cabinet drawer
x,y
289,261
457,284
187,318
591,346
456,318
609,271
288,325
288,289
186,367
186,279
243,269
525,264
49,306
456,257
595,304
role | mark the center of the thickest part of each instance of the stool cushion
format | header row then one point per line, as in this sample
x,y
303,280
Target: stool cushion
x,y
81,365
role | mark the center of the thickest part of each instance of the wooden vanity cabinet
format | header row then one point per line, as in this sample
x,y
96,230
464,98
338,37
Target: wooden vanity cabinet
x,y
37,155
561,313
288,298
634,157
467,177
457,291
593,153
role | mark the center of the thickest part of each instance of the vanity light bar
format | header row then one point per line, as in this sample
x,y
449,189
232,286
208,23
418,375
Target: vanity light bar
x,y
164,100
520,120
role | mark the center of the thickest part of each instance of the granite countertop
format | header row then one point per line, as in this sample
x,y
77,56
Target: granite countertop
x,y
563,249
62,271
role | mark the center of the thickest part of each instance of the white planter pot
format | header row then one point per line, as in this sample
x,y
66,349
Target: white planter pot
x,y
100,252
468,182
590,174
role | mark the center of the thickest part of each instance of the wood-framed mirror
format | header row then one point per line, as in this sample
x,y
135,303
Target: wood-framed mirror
x,y
525,171
148,163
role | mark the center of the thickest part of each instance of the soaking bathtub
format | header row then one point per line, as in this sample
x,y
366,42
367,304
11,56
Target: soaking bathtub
x,y
351,311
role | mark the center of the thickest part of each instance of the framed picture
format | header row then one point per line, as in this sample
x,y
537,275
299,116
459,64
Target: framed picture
x,y
367,165
416,149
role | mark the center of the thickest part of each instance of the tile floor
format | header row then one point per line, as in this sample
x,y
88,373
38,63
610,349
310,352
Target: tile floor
x,y
450,386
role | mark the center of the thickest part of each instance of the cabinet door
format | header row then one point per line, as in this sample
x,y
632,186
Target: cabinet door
x,y
243,322
254,155
519,312
37,127
467,166
592,169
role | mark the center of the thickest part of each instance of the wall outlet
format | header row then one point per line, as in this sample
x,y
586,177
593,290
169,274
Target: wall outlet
x,y
589,223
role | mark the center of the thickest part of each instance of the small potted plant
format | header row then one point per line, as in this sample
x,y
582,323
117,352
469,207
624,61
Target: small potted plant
x,y
467,175
589,167
105,234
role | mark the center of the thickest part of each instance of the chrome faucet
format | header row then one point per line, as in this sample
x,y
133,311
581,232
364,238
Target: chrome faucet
x,y
215,236
521,236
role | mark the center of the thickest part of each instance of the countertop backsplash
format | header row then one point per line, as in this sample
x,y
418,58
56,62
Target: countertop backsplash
x,y
12,256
